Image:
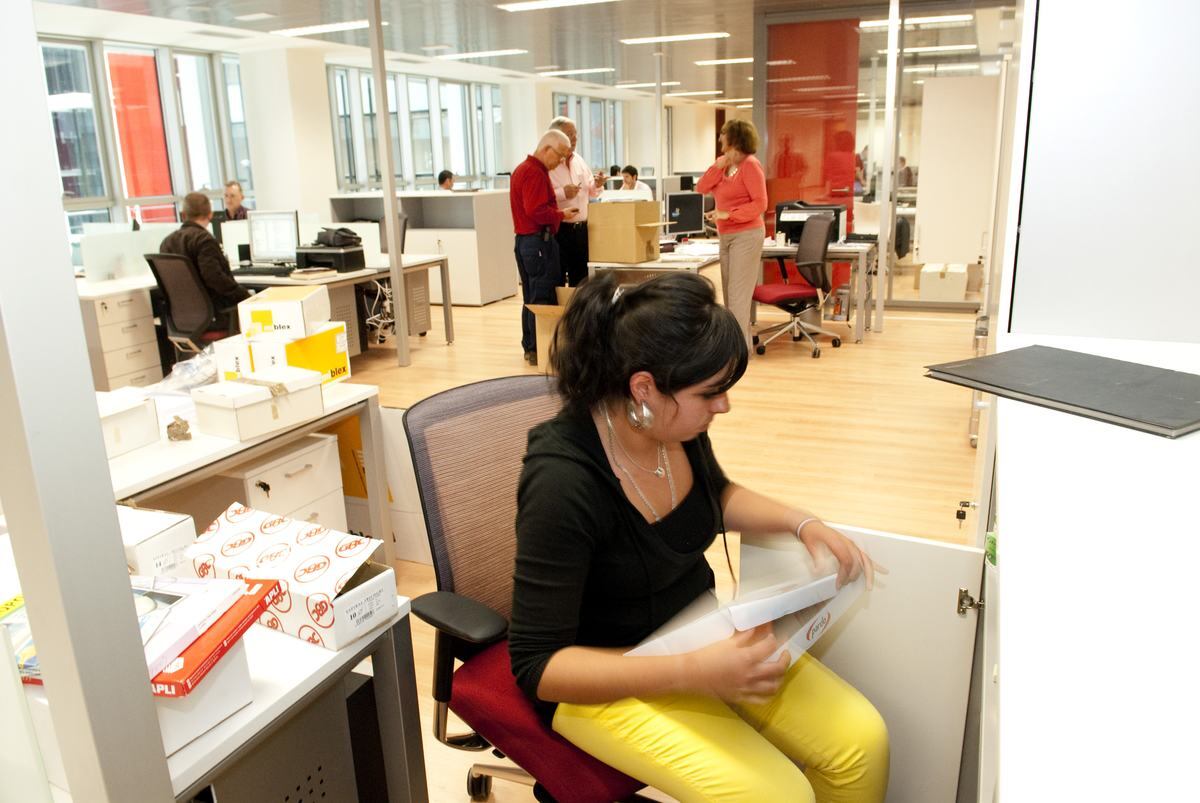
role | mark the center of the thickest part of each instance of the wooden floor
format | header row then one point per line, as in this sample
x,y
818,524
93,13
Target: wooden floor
x,y
859,436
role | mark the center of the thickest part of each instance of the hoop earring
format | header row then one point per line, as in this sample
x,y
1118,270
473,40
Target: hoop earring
x,y
640,416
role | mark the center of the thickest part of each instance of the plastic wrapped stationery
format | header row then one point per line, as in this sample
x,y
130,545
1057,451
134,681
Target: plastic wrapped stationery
x,y
780,583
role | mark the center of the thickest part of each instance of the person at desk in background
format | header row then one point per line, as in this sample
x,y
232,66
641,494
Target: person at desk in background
x,y
739,187
904,174
619,498
574,184
445,180
193,241
536,218
629,179
234,210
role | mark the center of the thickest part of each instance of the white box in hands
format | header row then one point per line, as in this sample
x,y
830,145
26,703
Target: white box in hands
x,y
258,403
128,420
780,583
291,311
332,592
155,540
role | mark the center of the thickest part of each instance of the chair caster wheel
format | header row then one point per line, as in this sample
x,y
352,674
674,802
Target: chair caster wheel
x,y
837,342
816,353
760,349
755,339
479,787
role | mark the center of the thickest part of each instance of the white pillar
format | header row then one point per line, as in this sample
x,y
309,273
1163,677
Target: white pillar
x,y
54,476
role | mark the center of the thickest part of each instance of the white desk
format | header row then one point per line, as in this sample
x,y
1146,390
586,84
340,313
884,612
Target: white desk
x,y
863,256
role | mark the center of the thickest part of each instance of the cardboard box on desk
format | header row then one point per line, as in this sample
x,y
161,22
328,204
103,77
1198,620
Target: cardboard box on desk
x,y
291,311
324,351
332,593
233,357
258,403
128,420
626,231
155,540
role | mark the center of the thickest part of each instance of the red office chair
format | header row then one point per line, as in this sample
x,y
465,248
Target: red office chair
x,y
189,316
803,297
467,446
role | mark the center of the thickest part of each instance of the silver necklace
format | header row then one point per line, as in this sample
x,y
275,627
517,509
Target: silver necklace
x,y
612,448
658,470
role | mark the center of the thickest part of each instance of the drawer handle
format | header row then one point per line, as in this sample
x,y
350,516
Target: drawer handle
x,y
264,487
129,328
135,351
125,303
307,466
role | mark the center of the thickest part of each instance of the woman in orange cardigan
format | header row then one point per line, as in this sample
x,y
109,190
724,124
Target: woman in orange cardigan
x,y
739,187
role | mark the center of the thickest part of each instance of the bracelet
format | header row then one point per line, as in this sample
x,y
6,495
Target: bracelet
x,y
800,527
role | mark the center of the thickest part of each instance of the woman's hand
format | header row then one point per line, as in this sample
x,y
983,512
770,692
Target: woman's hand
x,y
852,559
736,669
722,162
716,214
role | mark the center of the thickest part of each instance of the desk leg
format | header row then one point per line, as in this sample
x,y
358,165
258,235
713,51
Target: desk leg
x,y
399,718
447,315
861,283
370,425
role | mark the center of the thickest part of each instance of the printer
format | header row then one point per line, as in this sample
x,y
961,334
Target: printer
x,y
342,259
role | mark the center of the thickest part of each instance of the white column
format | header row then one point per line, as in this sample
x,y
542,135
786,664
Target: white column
x,y
54,476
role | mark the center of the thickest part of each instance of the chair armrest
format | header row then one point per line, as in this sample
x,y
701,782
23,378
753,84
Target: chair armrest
x,y
460,617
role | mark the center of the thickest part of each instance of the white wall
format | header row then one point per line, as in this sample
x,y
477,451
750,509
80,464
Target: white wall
x,y
958,151
693,136
288,122
1110,170
521,114
639,122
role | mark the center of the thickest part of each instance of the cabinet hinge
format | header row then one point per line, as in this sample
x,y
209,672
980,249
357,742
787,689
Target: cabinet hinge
x,y
966,602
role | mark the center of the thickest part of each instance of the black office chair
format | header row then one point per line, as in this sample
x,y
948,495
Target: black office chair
x,y
804,296
188,314
467,445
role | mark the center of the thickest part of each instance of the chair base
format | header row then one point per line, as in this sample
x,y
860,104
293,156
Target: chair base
x,y
799,330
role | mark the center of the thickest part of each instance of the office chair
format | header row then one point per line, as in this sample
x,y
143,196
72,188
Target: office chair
x,y
188,314
467,445
807,293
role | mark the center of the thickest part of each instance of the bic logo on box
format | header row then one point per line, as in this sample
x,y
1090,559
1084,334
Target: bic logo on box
x,y
311,569
817,627
320,610
312,535
272,525
236,514
203,564
270,620
237,543
238,572
284,603
273,554
210,531
350,545
307,633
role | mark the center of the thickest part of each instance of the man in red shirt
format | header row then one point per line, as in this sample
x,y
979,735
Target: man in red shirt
x,y
536,218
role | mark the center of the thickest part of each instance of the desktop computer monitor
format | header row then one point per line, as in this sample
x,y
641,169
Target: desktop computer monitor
x,y
685,213
273,236
790,217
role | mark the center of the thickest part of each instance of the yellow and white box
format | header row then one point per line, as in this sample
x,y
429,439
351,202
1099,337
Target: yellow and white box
x,y
324,351
290,311
233,357
258,403
333,593
128,420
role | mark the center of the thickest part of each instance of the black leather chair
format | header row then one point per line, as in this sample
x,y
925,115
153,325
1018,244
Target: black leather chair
x,y
188,314
803,295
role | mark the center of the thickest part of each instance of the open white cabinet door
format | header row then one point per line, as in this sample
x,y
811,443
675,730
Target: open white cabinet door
x,y
905,646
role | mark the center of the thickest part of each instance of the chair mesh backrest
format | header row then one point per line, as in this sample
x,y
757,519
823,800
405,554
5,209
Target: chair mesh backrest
x,y
814,242
188,304
467,446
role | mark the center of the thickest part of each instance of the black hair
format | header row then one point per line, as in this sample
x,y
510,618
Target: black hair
x,y
630,169
670,325
442,176
614,170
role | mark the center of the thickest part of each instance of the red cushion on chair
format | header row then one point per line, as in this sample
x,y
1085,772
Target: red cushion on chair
x,y
776,293
486,697
213,334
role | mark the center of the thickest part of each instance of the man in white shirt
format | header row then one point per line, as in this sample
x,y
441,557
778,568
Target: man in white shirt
x,y
574,185
629,180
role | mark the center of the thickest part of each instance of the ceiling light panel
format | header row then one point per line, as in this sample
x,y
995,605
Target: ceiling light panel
x,y
694,94
683,37
643,85
731,100
584,71
481,54
538,5
714,62
255,17
317,30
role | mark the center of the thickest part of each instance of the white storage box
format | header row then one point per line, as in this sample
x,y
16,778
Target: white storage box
x,y
224,691
291,311
333,593
324,351
155,541
128,420
233,357
943,282
258,403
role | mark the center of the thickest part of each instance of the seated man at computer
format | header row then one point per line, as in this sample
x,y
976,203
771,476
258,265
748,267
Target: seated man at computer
x,y
445,180
629,178
193,241
234,197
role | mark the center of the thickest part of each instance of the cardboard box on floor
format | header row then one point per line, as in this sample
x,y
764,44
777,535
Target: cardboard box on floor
x,y
625,231
545,318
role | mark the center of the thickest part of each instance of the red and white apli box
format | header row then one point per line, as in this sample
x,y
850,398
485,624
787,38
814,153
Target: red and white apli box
x,y
332,592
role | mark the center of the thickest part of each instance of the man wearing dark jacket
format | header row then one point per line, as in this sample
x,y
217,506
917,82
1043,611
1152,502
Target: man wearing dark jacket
x,y
193,241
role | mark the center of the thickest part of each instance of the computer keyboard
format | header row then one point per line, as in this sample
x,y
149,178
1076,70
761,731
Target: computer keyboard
x,y
266,270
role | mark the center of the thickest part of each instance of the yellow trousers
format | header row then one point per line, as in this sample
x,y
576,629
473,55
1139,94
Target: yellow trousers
x,y
697,748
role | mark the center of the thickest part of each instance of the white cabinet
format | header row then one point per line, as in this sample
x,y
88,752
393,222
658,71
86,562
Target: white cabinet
x,y
122,345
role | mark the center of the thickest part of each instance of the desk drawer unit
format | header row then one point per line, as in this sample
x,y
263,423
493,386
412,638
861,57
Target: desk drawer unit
x,y
328,511
131,359
122,307
123,334
146,376
122,343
